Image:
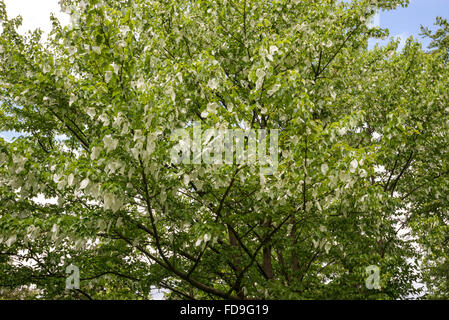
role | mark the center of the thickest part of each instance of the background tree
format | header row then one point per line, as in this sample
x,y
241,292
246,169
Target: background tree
x,y
363,151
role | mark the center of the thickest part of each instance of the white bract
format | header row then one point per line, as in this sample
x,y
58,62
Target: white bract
x,y
111,202
324,168
353,166
260,74
95,153
213,84
70,179
11,240
91,112
84,183
108,76
110,143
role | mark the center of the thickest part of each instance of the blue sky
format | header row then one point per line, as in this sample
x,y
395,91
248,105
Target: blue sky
x,y
402,22
405,22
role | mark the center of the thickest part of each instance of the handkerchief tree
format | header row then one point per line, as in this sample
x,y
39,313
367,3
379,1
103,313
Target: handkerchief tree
x,y
363,149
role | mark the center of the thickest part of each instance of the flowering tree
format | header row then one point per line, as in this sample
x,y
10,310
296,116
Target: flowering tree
x,y
362,151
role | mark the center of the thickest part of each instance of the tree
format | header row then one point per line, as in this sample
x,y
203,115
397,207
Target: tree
x,y
362,151
440,39
430,223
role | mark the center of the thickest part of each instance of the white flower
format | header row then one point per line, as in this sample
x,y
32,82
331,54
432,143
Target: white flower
x,y
171,93
108,200
186,179
110,143
206,237
138,135
124,30
324,168
163,196
55,232
72,50
118,121
344,177
260,77
91,112
135,152
33,232
141,83
273,50
104,118
363,173
108,76
116,67
354,164
73,99
70,179
84,183
204,114
125,129
342,131
95,153
179,75
19,160
101,225
82,5
212,107
116,205
263,180
274,89
46,68
56,178
94,190
213,84
111,202
260,73
55,229
11,240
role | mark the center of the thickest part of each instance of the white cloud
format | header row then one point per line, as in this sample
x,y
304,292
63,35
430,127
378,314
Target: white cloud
x,y
35,13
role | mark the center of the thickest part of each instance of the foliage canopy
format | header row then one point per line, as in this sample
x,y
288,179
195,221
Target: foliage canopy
x,y
363,175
